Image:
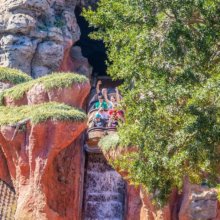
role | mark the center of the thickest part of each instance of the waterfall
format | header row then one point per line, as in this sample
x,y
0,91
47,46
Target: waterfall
x,y
104,190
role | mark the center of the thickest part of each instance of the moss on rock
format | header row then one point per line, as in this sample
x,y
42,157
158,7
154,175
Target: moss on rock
x,y
54,80
39,113
109,142
13,76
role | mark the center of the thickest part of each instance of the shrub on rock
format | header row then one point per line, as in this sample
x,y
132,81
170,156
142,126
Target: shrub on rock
x,y
13,76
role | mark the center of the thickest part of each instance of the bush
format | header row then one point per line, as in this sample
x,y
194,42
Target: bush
x,y
39,113
55,80
13,76
109,142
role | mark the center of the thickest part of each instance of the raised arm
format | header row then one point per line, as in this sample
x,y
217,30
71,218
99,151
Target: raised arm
x,y
98,87
117,95
104,92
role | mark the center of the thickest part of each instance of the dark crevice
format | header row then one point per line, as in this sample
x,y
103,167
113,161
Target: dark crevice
x,y
95,51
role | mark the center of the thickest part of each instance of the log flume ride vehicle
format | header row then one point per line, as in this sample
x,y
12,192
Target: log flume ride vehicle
x,y
94,134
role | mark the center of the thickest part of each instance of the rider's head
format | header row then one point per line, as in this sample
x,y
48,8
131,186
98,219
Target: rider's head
x,y
100,98
98,117
101,109
112,98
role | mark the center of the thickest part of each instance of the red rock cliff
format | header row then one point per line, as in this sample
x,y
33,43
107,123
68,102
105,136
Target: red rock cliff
x,y
45,160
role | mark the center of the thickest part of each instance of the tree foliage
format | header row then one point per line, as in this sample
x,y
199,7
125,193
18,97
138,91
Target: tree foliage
x,y
168,52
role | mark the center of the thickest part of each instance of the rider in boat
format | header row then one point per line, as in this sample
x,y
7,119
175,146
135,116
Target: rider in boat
x,y
113,120
101,103
98,121
114,100
104,115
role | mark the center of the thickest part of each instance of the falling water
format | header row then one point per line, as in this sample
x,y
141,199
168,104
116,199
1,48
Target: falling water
x,y
104,190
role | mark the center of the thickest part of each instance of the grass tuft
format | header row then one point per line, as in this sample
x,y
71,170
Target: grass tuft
x,y
39,113
13,76
54,80
109,142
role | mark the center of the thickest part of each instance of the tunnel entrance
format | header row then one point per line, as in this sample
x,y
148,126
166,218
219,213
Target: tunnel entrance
x,y
93,50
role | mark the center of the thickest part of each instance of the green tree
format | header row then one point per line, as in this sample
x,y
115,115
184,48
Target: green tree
x,y
168,52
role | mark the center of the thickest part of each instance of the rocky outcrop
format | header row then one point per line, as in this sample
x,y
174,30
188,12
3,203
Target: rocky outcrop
x,y
199,202
36,35
39,94
30,155
149,211
66,175
58,87
44,161
134,203
74,60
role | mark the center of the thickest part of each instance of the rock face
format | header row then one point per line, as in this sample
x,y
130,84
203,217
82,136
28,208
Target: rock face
x,y
4,86
45,164
74,60
30,158
66,177
134,203
198,203
150,212
36,35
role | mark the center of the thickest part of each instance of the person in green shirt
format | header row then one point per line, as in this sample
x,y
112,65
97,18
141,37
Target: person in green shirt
x,y
101,103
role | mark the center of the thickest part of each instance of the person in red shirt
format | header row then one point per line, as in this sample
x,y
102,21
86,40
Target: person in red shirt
x,y
113,120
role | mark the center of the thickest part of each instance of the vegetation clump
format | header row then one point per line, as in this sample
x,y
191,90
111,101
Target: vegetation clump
x,y
13,76
54,80
40,113
167,53
109,142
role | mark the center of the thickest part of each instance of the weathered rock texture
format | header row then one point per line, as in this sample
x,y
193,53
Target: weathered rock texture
x,y
74,60
198,203
45,164
150,212
30,156
36,36
134,203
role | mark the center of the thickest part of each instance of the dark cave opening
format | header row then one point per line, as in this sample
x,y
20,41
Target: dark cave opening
x,y
93,50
